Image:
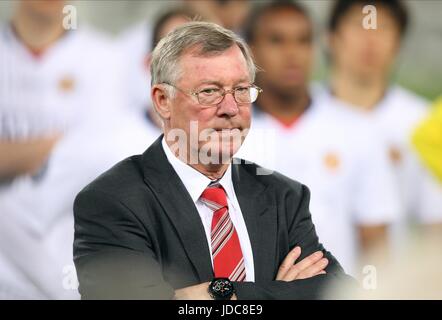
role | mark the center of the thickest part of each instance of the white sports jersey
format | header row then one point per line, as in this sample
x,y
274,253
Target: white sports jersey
x,y
395,117
36,221
335,154
75,78
74,89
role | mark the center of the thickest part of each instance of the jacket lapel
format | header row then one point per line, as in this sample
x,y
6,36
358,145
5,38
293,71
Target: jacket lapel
x,y
255,199
179,207
259,210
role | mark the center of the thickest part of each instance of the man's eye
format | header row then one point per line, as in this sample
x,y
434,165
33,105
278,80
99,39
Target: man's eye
x,y
209,91
242,89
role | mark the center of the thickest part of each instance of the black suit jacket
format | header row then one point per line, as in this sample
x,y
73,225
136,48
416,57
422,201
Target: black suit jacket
x,y
138,233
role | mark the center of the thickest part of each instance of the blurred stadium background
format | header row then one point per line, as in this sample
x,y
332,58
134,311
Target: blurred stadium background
x,y
419,68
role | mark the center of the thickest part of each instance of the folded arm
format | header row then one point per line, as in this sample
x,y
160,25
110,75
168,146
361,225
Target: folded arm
x,y
305,272
307,284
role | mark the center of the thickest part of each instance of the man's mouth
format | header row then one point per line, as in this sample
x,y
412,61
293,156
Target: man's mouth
x,y
226,133
226,129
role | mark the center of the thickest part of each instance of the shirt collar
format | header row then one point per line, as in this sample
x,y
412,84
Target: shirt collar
x,y
194,181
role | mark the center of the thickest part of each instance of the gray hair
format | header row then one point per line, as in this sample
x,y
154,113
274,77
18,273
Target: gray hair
x,y
209,38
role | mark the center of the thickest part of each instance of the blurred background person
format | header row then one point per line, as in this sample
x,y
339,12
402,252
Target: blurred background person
x,y
38,26
230,14
361,65
50,78
138,75
164,24
335,154
136,45
61,124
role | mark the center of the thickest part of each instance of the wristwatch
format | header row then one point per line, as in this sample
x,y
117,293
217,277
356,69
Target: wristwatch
x,y
221,289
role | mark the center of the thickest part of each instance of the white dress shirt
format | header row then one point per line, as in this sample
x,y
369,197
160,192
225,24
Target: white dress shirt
x,y
195,183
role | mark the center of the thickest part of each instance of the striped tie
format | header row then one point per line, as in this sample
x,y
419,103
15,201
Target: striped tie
x,y
228,260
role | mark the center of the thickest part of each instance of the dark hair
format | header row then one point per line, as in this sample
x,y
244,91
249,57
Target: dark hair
x,y
164,18
397,9
262,10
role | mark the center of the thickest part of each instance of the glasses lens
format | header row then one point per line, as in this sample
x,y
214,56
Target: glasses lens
x,y
242,95
209,96
253,94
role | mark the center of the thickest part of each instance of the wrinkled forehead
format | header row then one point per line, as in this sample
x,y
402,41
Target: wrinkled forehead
x,y
226,67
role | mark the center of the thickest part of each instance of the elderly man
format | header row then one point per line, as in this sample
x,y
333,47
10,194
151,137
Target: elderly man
x,y
183,220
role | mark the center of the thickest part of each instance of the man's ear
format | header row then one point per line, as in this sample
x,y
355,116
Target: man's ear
x,y
161,101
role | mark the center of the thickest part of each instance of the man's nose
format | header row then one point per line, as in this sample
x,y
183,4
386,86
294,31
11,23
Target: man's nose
x,y
228,106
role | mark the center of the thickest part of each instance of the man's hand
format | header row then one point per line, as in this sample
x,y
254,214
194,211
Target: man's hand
x,y
288,271
309,267
197,292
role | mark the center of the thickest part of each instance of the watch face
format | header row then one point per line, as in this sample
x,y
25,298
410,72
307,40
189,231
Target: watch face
x,y
222,288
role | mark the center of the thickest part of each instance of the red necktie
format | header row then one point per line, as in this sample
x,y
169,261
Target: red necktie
x,y
228,261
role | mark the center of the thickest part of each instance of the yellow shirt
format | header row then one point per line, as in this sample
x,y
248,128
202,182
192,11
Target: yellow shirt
x,y
427,139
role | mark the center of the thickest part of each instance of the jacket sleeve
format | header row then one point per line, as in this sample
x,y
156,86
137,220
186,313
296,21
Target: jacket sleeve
x,y
113,254
301,233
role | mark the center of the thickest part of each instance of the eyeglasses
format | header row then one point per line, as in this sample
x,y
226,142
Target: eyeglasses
x,y
213,96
